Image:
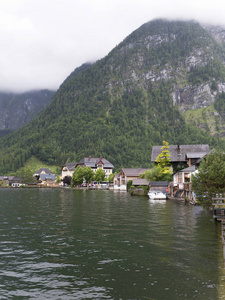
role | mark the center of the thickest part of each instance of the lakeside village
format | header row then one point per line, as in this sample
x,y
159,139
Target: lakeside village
x,y
184,160
191,167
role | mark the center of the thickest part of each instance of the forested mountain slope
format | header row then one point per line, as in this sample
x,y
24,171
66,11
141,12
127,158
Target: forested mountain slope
x,y
16,110
122,105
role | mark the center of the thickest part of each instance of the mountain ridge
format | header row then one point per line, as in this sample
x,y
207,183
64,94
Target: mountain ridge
x,y
130,100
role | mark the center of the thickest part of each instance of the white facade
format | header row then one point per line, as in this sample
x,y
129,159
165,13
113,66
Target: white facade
x,y
66,172
108,172
97,163
180,179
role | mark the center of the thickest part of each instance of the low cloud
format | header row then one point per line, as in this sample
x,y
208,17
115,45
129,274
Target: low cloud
x,y
43,41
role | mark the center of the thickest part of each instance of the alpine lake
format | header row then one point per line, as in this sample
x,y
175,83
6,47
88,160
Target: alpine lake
x,y
78,244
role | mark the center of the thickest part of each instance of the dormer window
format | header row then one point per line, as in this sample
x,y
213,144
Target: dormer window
x,y
100,164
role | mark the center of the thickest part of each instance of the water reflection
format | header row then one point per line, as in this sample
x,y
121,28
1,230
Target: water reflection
x,y
68,244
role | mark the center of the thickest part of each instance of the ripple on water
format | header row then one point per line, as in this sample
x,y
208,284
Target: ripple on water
x,y
65,244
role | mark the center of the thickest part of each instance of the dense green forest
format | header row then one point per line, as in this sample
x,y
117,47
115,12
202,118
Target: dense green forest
x,y
219,104
110,109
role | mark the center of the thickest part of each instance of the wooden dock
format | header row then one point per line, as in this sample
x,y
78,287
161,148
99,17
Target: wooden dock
x,y
218,203
223,237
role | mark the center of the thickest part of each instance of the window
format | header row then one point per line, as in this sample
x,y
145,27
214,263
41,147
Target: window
x,y
187,177
179,178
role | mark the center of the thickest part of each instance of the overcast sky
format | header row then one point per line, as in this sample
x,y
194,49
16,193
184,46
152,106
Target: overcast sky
x,y
43,41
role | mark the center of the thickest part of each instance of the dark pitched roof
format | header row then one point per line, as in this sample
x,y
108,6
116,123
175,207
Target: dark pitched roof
x,y
93,161
16,178
116,175
140,181
45,170
134,172
181,152
159,183
44,177
9,178
203,157
195,155
71,166
189,169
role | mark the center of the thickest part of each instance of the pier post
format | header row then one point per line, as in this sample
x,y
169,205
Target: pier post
x,y
218,205
223,237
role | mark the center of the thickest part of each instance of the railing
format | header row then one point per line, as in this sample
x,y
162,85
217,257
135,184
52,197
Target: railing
x,y
218,195
218,203
183,186
218,200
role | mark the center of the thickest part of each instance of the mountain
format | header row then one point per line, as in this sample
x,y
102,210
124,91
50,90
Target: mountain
x,y
132,99
16,110
209,114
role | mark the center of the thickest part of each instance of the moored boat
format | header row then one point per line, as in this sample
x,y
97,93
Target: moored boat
x,y
156,195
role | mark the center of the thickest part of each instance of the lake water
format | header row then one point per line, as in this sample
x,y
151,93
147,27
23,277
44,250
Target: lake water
x,y
72,244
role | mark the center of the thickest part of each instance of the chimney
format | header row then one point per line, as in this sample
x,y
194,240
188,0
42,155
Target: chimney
x,y
178,151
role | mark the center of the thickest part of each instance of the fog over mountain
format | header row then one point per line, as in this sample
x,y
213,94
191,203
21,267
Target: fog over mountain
x,y
44,41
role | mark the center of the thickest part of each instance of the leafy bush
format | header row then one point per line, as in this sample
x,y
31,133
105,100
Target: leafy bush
x,y
129,184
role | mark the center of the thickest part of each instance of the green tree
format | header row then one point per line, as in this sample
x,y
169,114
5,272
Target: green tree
x,y
155,174
110,179
162,171
210,178
129,184
25,175
77,177
99,175
80,174
2,183
163,159
88,174
58,179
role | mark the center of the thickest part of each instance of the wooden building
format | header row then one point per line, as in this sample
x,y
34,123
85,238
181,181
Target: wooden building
x,y
126,174
182,156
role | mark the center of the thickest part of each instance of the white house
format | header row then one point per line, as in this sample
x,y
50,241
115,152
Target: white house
x,y
97,163
42,171
68,169
182,179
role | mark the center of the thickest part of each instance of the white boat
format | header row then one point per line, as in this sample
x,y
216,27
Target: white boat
x,y
156,195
